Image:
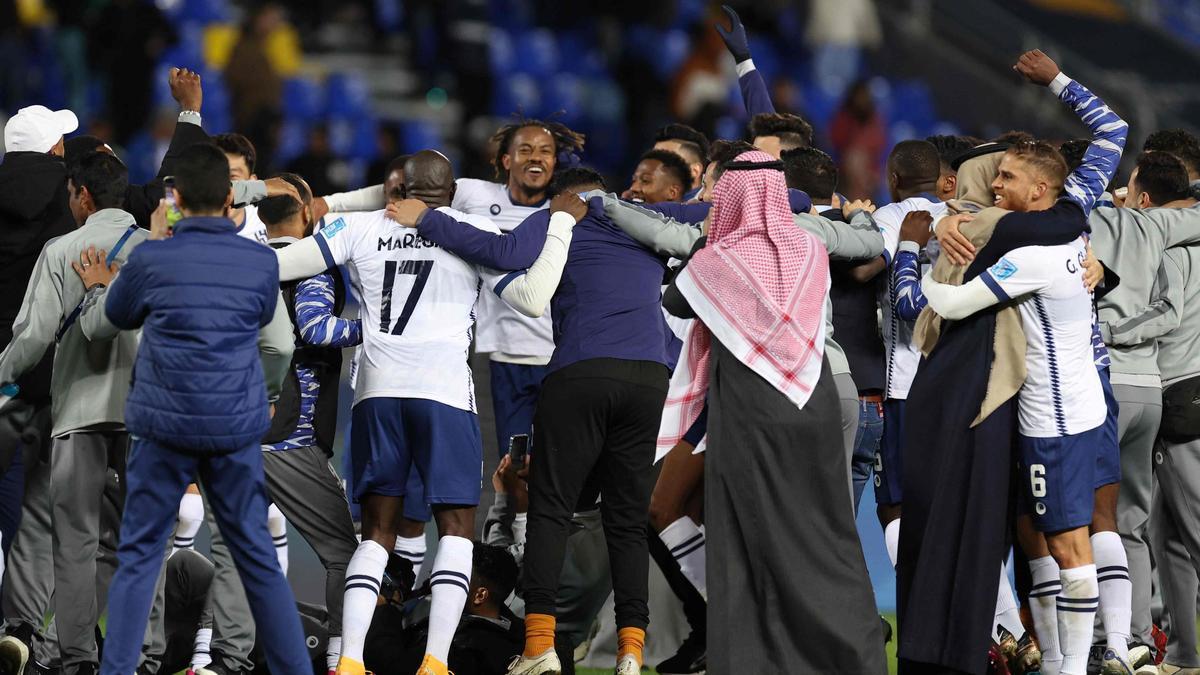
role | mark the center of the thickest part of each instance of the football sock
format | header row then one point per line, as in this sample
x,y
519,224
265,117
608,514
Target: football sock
x,y
631,641
1116,590
200,646
191,514
1008,614
412,549
686,543
450,584
277,525
891,539
363,575
539,634
1042,604
1076,616
332,652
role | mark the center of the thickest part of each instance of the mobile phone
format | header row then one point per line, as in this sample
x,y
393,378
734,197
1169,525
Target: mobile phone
x,y
174,215
518,449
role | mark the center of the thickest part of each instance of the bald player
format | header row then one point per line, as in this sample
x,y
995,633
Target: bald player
x,y
418,317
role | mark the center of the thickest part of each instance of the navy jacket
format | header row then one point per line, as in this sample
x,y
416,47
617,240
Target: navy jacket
x,y
201,298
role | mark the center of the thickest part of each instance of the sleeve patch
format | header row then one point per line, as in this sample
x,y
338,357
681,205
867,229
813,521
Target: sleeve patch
x,y
1003,269
330,231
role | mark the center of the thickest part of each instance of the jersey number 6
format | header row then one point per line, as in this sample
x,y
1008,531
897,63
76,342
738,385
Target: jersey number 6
x,y
419,268
1037,479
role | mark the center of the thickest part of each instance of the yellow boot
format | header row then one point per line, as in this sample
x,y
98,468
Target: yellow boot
x,y
348,666
431,666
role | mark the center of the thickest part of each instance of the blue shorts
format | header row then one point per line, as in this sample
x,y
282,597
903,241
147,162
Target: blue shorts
x,y
1108,455
515,389
1058,479
888,468
415,507
390,437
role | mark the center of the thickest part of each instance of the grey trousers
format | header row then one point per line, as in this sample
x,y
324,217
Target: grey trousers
x,y
1137,429
1176,536
585,582
848,397
309,494
79,469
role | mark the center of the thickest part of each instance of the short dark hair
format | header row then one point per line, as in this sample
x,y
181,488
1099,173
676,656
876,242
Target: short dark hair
x,y
1178,142
793,131
1045,158
688,137
493,568
1073,152
1163,176
277,209
915,162
811,170
950,148
723,152
576,176
673,164
565,140
202,177
237,144
1014,136
104,176
396,164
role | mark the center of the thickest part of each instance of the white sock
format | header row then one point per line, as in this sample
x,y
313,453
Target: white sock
x,y
450,583
200,655
1076,617
686,542
277,525
891,539
1008,614
333,652
363,575
1116,590
412,549
1042,598
520,524
191,514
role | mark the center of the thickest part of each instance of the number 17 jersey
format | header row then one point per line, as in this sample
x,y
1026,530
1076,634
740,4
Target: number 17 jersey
x,y
418,307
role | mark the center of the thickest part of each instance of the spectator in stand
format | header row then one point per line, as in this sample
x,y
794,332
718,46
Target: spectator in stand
x,y
859,142
324,172
255,86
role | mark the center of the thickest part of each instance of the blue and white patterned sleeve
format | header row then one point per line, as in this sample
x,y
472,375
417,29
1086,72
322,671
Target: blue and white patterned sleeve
x,y
314,315
906,277
1087,183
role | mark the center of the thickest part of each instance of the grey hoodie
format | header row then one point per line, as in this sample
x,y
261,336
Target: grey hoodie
x,y
91,379
1132,243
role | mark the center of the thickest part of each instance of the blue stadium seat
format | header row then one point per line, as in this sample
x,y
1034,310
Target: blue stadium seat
x,y
583,58
501,55
605,101
293,137
189,51
536,53
516,93
913,103
671,49
565,92
139,157
346,95
416,135
364,144
199,11
303,99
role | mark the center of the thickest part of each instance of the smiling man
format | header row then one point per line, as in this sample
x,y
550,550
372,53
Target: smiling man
x,y
660,176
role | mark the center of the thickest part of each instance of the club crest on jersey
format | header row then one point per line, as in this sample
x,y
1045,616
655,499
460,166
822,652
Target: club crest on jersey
x,y
1003,269
495,209
330,231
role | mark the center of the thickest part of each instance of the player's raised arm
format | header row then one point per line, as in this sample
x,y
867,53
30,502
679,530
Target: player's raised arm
x,y
1086,183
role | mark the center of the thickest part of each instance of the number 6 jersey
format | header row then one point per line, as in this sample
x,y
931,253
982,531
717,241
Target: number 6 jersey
x,y
418,306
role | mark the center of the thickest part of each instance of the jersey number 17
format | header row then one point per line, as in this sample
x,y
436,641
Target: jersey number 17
x,y
419,268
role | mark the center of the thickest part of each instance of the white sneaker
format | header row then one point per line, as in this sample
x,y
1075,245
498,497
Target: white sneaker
x,y
1168,669
546,663
628,665
14,654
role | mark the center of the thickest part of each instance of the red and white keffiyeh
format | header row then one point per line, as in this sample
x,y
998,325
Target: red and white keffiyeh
x,y
759,286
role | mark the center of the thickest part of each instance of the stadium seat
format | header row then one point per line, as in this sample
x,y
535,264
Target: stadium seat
x,y
415,135
303,99
672,48
500,52
516,93
565,92
536,53
346,95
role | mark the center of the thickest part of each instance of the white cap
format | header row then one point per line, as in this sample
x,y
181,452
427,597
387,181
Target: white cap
x,y
37,128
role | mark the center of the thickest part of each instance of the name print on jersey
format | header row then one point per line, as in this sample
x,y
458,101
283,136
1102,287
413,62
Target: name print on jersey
x,y
410,240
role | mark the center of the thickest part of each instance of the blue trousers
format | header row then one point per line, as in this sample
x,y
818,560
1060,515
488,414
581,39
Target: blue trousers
x,y
515,390
156,480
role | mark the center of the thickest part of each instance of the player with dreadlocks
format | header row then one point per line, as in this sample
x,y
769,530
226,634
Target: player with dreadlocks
x,y
527,153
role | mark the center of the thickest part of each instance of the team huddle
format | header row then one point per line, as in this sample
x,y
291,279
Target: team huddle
x,y
705,370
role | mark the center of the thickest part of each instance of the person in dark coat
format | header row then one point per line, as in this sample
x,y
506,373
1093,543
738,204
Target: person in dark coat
x,y
216,345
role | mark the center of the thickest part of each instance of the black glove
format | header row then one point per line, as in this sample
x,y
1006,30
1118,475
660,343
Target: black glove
x,y
735,37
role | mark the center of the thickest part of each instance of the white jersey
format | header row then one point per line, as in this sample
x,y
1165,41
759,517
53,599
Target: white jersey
x,y
252,227
1062,394
502,328
903,356
418,307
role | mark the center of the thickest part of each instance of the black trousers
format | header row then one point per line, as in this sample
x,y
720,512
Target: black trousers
x,y
596,425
